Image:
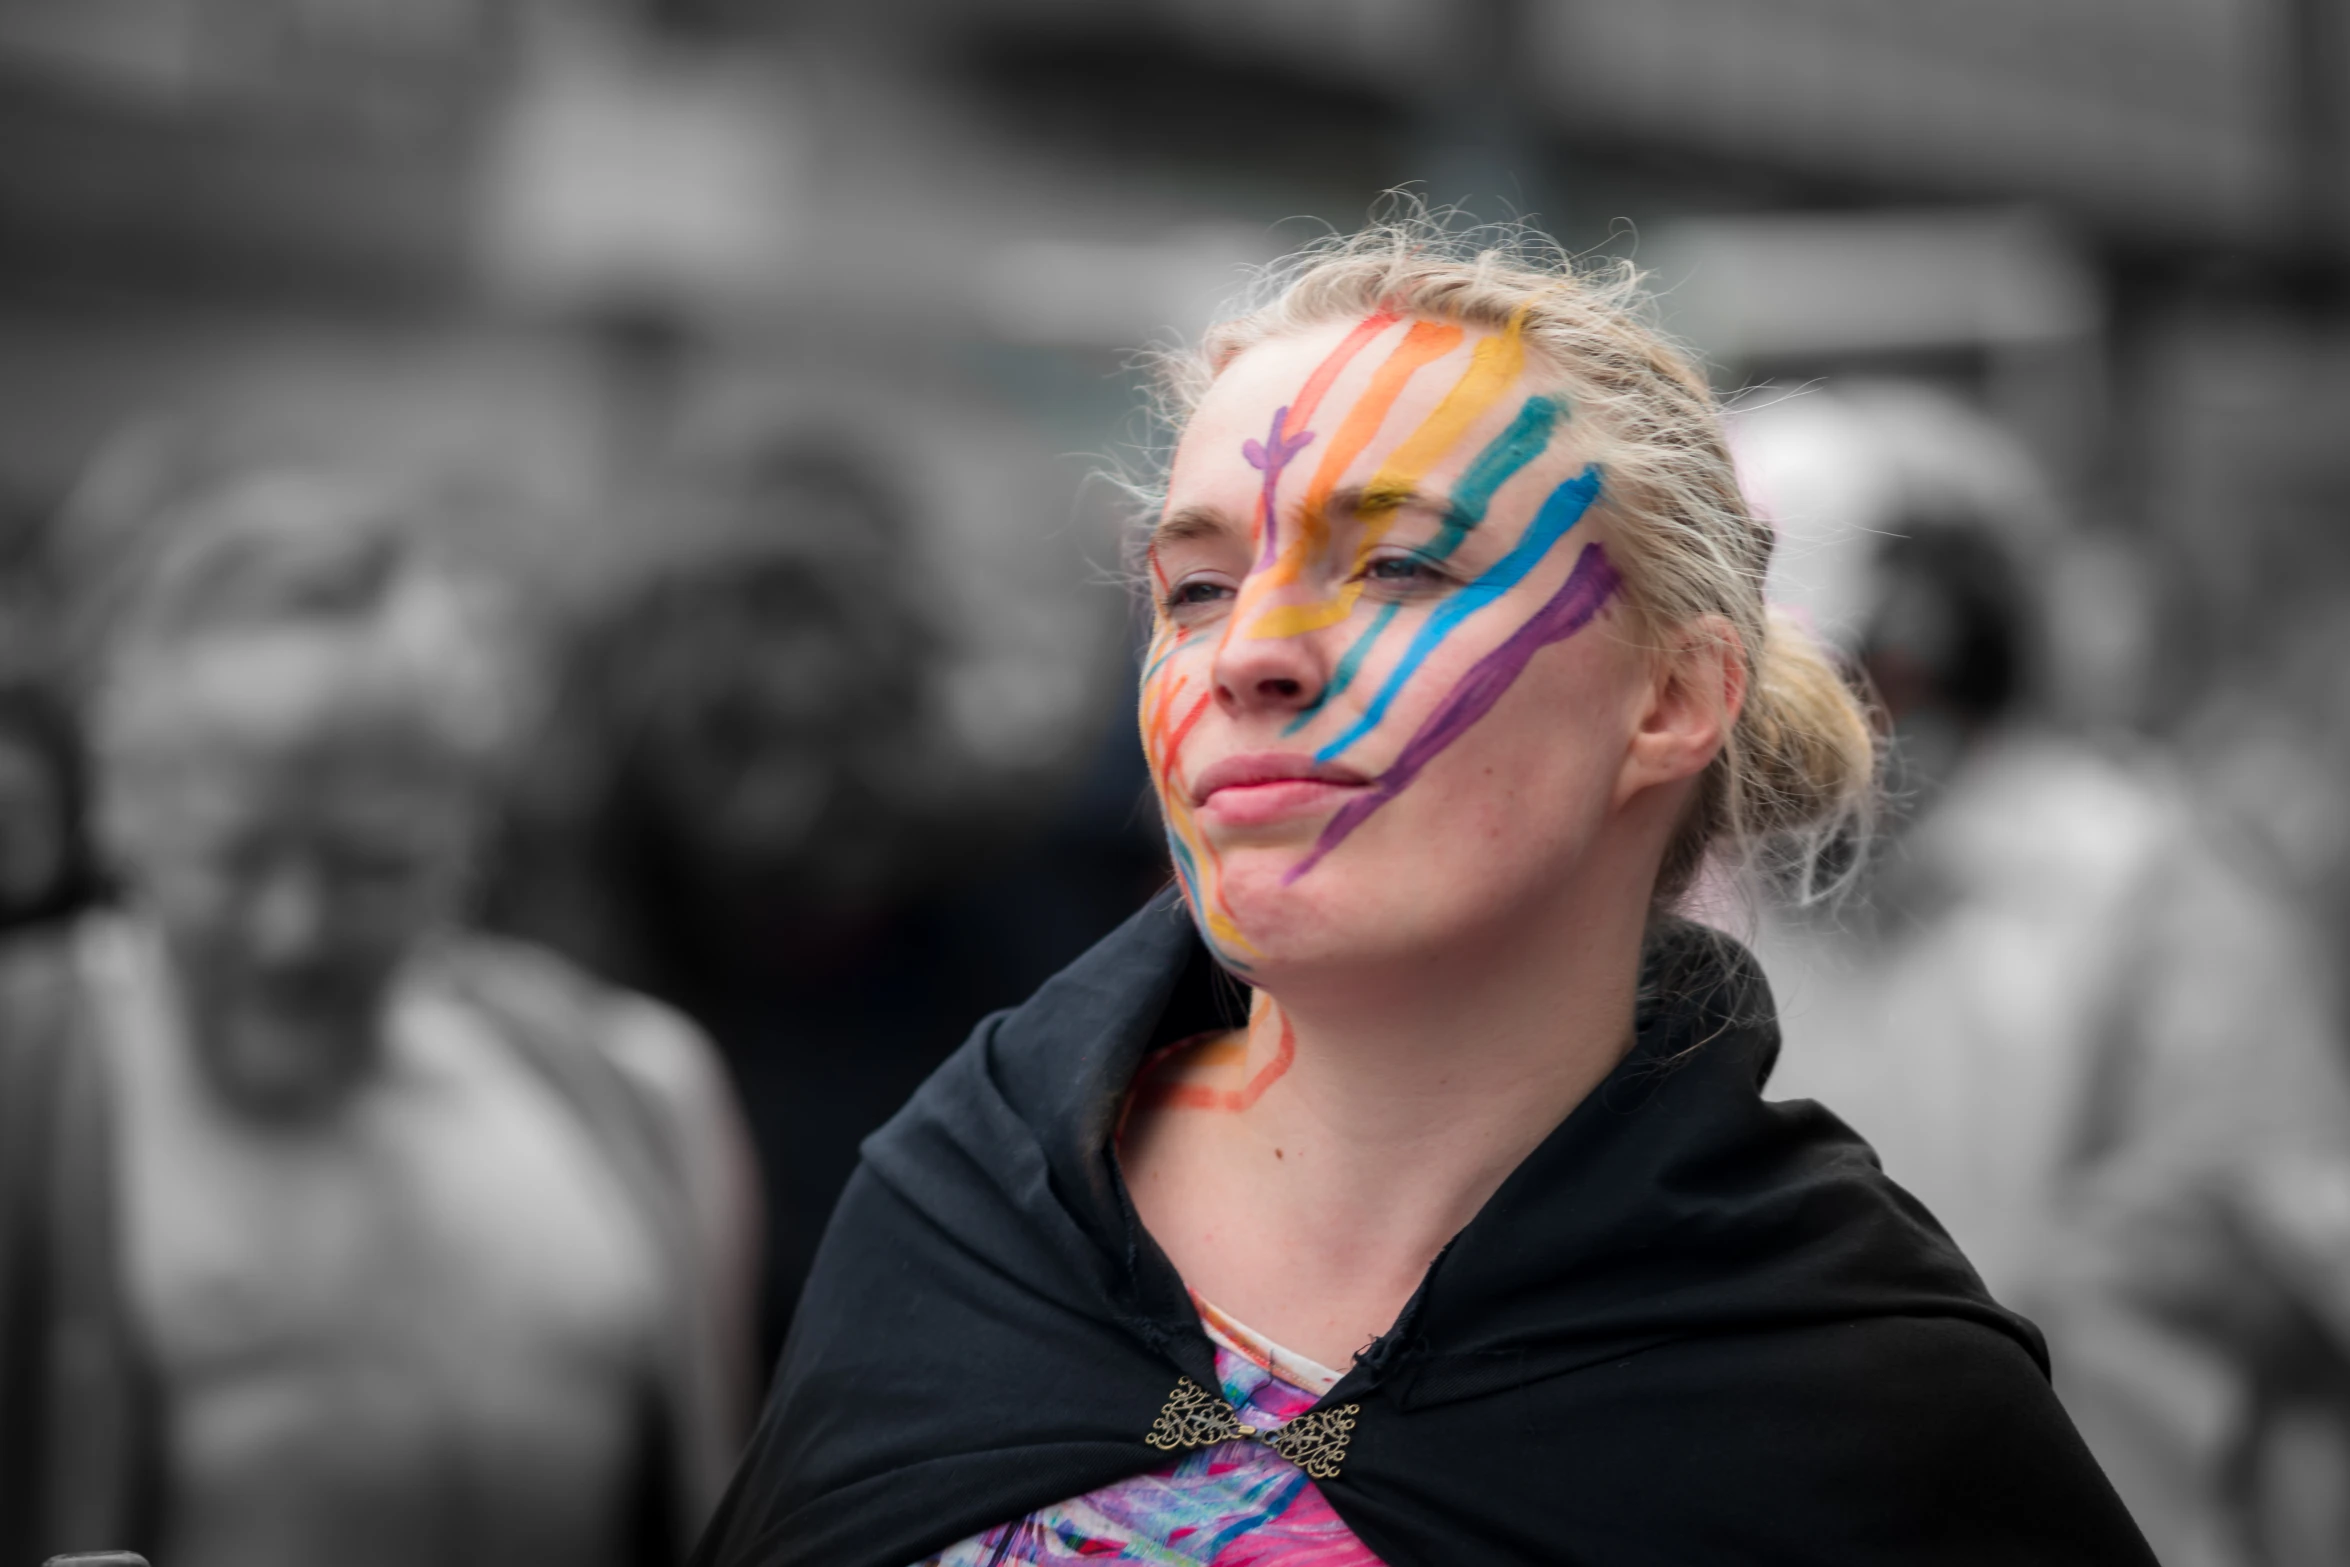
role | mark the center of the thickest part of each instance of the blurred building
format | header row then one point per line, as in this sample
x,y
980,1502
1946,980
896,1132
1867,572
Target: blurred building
x,y
524,241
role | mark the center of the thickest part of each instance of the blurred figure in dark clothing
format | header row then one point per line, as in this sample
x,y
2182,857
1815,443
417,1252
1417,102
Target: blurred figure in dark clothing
x,y
749,806
1948,645
329,1230
45,869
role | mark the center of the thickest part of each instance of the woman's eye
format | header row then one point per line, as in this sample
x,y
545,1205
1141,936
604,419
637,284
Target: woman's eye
x,y
1195,594
1403,571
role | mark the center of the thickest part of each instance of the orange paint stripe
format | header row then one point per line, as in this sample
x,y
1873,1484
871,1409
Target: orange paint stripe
x,y
1496,363
1156,706
1182,1096
1203,1096
1175,740
1493,368
1272,1071
1309,396
1422,346
1160,744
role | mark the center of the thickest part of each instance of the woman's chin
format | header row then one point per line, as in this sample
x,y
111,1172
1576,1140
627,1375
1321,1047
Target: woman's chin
x,y
1309,921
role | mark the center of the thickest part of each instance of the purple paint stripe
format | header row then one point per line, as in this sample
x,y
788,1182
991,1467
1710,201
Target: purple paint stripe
x,y
1583,595
1272,455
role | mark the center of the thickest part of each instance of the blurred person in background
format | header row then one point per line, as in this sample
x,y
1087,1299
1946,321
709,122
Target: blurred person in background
x,y
328,1231
750,806
738,740
45,870
2064,1011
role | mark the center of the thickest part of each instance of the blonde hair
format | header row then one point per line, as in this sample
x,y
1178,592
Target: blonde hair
x,y
1796,782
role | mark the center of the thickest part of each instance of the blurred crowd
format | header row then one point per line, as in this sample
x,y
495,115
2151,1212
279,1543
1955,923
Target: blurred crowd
x,y
342,1220
551,672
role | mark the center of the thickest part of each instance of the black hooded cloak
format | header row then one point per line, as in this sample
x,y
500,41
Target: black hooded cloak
x,y
1693,1326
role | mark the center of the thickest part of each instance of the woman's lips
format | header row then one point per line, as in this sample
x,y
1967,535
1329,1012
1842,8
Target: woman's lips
x,y
1271,786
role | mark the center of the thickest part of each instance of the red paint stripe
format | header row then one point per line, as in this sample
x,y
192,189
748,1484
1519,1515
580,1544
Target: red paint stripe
x,y
1272,1071
1175,740
1309,396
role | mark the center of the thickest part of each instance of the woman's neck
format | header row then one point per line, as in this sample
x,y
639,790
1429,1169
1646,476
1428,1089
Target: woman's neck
x,y
1303,1173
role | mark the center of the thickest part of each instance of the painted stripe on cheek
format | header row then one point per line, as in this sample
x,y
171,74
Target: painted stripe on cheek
x,y
1527,438
1564,508
1162,737
1582,596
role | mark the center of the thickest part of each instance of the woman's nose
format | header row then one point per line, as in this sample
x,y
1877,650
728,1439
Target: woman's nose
x,y
1269,674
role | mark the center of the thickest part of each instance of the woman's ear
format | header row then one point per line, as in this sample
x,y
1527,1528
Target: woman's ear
x,y
1696,686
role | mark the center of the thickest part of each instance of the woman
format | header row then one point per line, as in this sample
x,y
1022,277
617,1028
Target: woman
x,y
1457,1229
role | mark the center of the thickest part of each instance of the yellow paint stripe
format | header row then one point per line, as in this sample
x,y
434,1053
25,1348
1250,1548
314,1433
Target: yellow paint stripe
x,y
1496,363
1493,366
1423,345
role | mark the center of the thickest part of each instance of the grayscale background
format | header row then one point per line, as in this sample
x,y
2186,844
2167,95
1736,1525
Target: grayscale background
x,y
639,296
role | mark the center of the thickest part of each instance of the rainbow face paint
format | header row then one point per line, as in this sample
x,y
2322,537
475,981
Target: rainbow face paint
x,y
1527,437
1379,612
1561,511
1585,592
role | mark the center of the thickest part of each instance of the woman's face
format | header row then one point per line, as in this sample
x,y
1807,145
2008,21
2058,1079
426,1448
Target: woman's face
x,y
1382,705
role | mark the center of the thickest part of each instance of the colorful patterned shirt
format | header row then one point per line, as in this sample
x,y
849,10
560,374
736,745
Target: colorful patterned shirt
x,y
1238,1504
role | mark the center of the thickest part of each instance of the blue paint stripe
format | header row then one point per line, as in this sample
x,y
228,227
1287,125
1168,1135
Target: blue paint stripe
x,y
1527,438
1349,666
1560,512
1187,869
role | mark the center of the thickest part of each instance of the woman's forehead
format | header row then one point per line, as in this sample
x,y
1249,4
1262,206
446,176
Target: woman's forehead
x,y
1366,397
1346,356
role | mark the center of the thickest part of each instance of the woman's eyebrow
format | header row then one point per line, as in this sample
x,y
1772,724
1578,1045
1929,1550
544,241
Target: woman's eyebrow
x,y
1376,500
1188,523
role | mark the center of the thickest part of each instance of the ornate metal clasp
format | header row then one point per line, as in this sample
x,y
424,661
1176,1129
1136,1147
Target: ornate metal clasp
x,y
1194,1417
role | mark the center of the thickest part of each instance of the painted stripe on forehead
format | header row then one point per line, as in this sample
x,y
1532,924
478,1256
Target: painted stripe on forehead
x,y
1527,438
1559,513
1288,435
1309,396
1494,366
1422,346
1581,597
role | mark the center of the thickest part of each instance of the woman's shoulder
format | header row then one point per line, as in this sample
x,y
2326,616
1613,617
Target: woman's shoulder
x,y
1917,1439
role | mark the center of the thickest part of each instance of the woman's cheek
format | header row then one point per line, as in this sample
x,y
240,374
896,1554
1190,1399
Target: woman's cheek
x,y
1172,685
